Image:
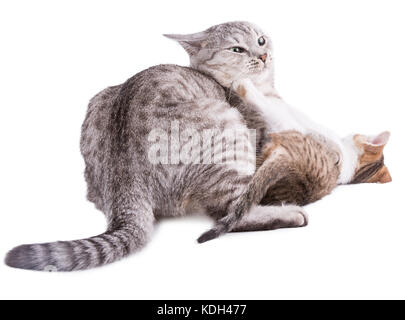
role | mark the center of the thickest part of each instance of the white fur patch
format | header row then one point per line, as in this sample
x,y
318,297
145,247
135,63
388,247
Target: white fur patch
x,y
282,117
350,156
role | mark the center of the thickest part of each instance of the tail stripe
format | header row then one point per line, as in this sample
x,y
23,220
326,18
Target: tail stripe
x,y
57,254
125,241
116,252
99,249
92,253
71,253
52,261
106,249
80,252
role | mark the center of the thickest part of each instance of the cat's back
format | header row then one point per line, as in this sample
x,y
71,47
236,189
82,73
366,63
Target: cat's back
x,y
163,83
147,94
157,85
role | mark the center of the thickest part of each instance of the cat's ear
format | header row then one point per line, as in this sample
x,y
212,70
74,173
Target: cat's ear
x,y
192,43
377,143
373,144
380,140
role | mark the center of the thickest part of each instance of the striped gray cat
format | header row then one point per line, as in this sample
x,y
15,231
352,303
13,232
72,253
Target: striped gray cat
x,y
132,189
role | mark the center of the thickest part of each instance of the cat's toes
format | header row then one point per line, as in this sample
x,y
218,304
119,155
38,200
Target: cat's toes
x,y
304,216
238,86
241,86
297,215
241,91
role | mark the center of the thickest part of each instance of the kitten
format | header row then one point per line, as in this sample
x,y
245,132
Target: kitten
x,y
312,165
361,157
133,191
302,169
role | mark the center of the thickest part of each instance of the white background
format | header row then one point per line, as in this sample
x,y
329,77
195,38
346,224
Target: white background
x,y
341,62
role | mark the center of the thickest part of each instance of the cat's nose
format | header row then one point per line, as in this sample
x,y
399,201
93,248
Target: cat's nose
x,y
384,175
263,57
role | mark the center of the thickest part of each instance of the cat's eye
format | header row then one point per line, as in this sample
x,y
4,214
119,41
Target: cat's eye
x,y
237,50
261,41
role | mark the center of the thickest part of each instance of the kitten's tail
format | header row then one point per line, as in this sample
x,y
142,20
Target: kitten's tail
x,y
267,175
110,246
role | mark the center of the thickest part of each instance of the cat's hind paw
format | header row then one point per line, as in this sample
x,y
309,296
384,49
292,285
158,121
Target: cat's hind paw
x,y
295,216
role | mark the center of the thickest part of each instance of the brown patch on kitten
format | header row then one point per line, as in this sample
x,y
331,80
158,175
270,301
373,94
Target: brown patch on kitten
x,y
370,166
307,168
268,149
382,176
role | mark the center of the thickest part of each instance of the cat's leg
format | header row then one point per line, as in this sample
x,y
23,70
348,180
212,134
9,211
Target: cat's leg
x,y
239,209
236,204
244,198
262,218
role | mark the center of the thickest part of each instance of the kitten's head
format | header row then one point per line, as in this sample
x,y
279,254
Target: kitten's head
x,y
229,51
370,158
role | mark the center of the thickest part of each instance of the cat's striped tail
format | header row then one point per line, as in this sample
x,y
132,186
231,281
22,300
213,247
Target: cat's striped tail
x,y
108,247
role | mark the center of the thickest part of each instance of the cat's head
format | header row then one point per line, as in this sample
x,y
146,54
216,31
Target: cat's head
x,y
229,51
370,167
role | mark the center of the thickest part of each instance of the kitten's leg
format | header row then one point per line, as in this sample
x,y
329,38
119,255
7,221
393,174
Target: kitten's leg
x,y
276,112
274,217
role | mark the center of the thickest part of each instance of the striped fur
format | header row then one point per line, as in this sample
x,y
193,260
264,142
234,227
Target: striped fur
x,y
133,191
310,167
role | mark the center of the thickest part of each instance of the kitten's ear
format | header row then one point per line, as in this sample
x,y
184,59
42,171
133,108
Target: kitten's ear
x,y
192,43
373,144
377,143
379,140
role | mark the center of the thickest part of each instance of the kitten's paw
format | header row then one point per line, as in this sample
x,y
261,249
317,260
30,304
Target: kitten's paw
x,y
241,91
241,86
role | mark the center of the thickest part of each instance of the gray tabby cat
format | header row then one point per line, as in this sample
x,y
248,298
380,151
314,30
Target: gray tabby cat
x,y
133,191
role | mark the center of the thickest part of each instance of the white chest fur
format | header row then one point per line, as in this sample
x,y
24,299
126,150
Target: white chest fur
x,y
282,117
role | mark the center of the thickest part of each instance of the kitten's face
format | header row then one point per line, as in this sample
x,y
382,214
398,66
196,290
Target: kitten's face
x,y
229,51
370,163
